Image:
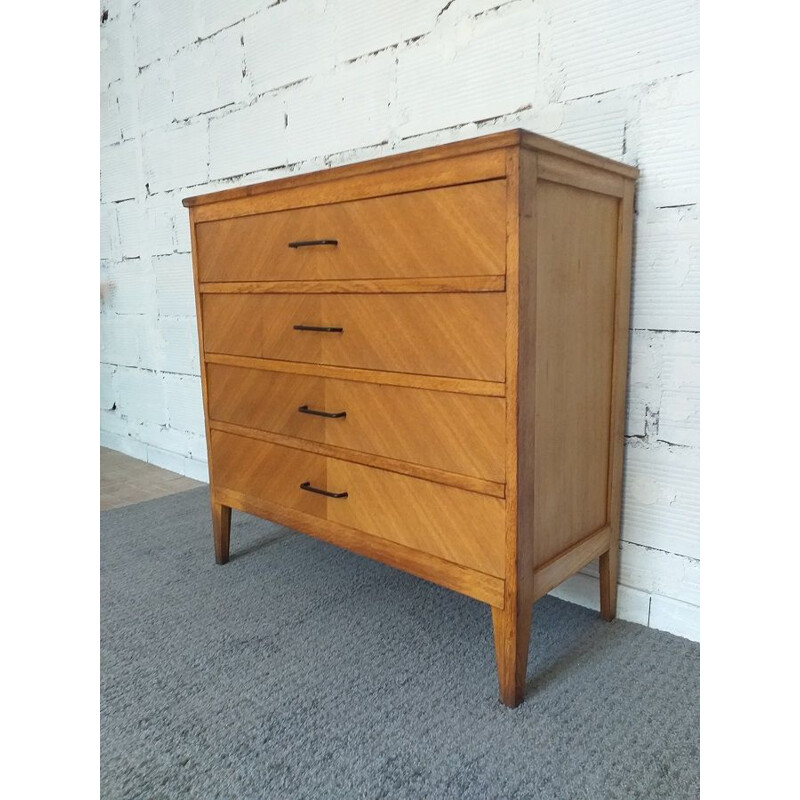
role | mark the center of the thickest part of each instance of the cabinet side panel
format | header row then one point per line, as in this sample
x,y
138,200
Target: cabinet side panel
x,y
575,293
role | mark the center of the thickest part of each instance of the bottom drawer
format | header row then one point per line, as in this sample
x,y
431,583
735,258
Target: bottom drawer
x,y
462,527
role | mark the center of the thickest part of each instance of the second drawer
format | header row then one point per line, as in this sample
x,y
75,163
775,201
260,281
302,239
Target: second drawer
x,y
460,335
454,432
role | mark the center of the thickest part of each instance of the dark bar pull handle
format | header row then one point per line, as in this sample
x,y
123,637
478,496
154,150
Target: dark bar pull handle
x,y
322,328
307,487
313,242
326,414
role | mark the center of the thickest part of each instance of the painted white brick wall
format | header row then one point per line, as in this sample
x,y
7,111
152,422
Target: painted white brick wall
x,y
202,94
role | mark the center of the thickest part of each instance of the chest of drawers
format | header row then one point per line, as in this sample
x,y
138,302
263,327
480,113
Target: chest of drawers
x,y
422,359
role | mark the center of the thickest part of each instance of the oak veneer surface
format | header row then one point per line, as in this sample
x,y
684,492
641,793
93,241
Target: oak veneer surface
x,y
464,433
462,527
462,318
460,335
456,230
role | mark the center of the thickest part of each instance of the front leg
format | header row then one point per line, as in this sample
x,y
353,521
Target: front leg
x,y
221,521
512,635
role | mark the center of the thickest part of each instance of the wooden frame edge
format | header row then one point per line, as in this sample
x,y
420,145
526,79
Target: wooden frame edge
x,y
455,285
570,561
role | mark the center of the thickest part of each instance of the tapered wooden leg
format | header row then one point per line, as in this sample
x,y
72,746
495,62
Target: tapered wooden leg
x,y
512,635
609,569
221,520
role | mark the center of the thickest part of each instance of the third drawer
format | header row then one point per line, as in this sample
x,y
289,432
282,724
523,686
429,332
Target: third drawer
x,y
457,433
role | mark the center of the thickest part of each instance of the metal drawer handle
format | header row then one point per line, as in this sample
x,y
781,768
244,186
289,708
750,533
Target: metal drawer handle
x,y
322,328
313,242
327,414
307,487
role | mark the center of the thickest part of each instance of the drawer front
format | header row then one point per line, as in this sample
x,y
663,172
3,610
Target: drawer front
x,y
458,433
459,526
452,231
459,335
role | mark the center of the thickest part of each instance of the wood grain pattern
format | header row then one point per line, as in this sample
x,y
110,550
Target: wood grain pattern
x,y
430,334
478,585
451,231
471,283
462,527
609,562
577,253
437,383
221,524
575,558
512,624
453,432
558,169
472,168
433,474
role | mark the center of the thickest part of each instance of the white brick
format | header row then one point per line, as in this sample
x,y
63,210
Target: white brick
x,y
128,107
212,15
209,75
660,573
132,289
161,28
130,220
390,23
185,403
679,417
165,459
174,285
486,69
178,347
163,437
197,468
669,157
666,275
593,46
247,140
140,396
111,421
119,340
351,106
111,52
119,171
643,380
106,389
155,89
124,444
596,124
656,572
127,339
109,232
664,380
661,499
176,157
288,42
159,216
682,619
110,119
183,233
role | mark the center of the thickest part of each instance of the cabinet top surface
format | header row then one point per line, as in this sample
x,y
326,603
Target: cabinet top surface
x,y
513,138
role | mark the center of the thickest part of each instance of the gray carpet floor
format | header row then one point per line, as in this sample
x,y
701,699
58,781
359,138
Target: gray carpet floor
x,y
299,670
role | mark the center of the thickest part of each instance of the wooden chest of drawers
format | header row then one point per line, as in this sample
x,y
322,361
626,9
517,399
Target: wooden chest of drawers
x,y
422,359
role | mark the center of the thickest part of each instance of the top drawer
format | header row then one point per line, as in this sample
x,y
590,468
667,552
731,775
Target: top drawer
x,y
446,232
